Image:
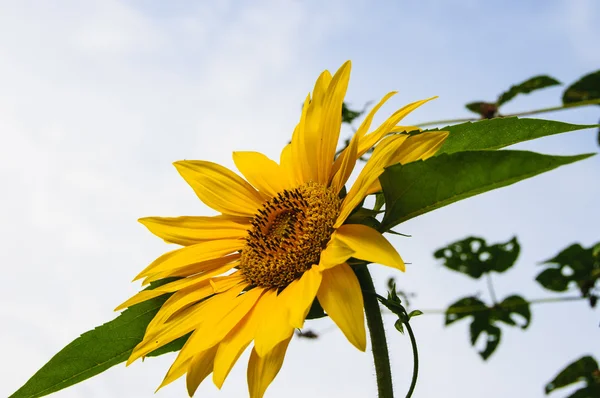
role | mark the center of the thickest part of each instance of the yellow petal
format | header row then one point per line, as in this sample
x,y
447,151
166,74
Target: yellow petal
x,y
404,129
331,120
416,147
201,366
368,141
232,346
300,164
273,325
187,231
220,318
263,369
220,188
341,298
299,295
370,245
188,255
336,253
347,162
262,172
194,269
189,296
189,319
177,369
287,165
380,158
363,129
420,147
196,281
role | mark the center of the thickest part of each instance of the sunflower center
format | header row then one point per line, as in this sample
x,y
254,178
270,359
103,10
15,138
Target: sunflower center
x,y
288,235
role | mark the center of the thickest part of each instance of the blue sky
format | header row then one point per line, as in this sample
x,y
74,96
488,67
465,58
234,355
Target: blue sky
x,y
99,98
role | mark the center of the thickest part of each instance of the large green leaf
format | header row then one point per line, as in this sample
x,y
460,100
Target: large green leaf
x,y
585,89
501,132
529,85
419,187
97,350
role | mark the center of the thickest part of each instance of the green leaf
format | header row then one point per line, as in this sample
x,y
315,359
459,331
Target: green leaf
x,y
97,350
573,264
501,132
399,326
493,334
422,186
529,85
486,319
463,308
585,89
348,115
472,256
486,110
584,369
415,313
514,305
553,279
379,201
316,311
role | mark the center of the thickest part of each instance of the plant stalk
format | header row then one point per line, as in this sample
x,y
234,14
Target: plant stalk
x,y
376,331
415,375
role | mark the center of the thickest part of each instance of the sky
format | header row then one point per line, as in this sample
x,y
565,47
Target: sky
x,y
98,98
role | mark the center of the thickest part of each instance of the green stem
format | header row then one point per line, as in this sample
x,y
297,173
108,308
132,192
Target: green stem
x,y
481,308
488,277
378,341
415,375
527,113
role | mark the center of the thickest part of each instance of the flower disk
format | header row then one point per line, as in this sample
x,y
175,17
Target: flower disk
x,y
288,235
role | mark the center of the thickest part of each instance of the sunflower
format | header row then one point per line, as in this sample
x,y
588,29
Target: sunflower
x,y
251,273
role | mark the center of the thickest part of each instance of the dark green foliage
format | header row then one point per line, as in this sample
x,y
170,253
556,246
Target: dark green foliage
x,y
585,89
364,216
348,115
573,265
316,311
472,256
529,85
501,132
584,369
486,319
97,350
487,110
419,187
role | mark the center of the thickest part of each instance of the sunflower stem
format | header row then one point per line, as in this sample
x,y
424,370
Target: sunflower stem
x,y
378,341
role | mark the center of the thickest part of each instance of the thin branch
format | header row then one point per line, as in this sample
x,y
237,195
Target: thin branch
x,y
527,113
479,308
490,286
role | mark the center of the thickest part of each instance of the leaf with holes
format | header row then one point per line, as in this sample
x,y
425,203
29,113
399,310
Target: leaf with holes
x,y
574,265
472,256
584,370
514,305
485,319
529,85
